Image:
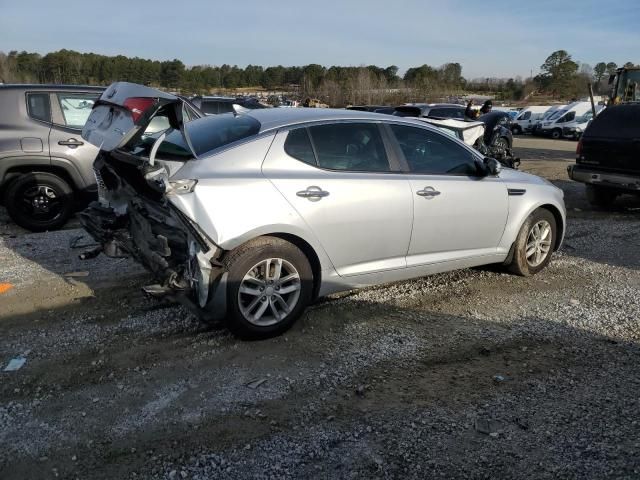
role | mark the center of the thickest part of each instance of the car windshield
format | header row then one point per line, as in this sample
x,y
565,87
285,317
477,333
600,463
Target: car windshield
x,y
557,114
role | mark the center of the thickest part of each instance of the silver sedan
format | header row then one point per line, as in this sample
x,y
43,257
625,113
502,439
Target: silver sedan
x,y
250,217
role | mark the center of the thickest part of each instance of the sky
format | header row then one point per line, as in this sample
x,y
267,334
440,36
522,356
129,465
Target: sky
x,y
489,38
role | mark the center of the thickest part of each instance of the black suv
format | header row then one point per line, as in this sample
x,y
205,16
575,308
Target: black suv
x,y
44,162
608,155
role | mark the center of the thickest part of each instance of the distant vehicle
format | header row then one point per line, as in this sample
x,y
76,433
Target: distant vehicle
x,y
576,128
527,118
45,165
215,105
551,111
250,217
366,108
608,155
431,110
385,110
625,85
552,127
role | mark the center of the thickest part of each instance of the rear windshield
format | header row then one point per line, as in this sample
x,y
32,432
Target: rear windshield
x,y
621,121
206,134
209,133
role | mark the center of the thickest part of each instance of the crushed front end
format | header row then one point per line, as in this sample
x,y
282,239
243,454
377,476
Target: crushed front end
x,y
134,217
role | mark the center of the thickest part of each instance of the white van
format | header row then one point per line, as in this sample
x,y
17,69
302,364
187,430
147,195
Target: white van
x,y
575,128
527,118
553,125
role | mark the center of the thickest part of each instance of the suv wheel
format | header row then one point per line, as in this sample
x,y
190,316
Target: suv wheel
x,y
269,285
39,201
600,196
534,244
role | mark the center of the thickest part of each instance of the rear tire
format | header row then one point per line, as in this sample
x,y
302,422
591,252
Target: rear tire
x,y
39,201
534,244
260,272
600,196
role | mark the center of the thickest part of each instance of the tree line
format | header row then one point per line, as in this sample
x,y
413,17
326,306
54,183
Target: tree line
x,y
560,76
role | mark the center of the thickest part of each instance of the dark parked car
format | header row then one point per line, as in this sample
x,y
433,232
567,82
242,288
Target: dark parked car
x,y
608,155
45,165
366,108
430,110
214,105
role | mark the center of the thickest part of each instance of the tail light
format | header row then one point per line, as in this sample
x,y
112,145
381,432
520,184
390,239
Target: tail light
x,y
579,148
137,106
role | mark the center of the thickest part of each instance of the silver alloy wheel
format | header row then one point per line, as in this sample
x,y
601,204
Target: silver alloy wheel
x,y
269,291
538,243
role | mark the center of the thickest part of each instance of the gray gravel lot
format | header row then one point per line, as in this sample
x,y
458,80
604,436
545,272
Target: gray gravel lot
x,y
470,374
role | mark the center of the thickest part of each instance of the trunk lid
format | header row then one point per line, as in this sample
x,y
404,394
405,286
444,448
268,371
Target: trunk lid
x,y
125,111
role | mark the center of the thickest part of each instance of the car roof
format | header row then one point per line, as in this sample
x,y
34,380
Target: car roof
x,y
274,118
39,86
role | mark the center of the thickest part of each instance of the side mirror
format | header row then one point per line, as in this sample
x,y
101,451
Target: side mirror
x,y
493,166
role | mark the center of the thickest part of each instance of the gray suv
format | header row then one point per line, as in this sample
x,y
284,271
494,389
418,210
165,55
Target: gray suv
x,y
45,165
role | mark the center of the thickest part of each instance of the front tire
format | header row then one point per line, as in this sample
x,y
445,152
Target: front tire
x,y
534,244
516,130
556,134
39,201
270,283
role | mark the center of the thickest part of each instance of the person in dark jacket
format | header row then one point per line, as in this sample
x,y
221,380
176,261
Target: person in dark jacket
x,y
486,107
470,113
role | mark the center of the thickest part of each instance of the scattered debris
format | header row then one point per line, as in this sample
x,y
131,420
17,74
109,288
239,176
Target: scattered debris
x,y
77,274
5,287
360,391
574,302
91,253
487,426
498,378
253,384
15,364
74,242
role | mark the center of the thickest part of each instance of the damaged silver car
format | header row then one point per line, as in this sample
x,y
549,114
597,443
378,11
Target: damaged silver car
x,y
250,217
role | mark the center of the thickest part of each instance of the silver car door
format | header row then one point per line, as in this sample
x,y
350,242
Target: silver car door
x,y
344,189
457,212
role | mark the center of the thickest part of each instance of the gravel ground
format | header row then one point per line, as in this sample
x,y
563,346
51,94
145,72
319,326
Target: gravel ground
x,y
470,374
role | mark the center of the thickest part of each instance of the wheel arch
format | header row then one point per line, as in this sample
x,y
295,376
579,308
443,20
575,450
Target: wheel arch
x,y
306,247
560,226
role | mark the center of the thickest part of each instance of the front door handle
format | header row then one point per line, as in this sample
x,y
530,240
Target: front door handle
x,y
71,143
428,192
313,193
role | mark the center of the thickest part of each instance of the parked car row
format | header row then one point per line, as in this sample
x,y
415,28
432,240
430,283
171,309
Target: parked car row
x,y
558,121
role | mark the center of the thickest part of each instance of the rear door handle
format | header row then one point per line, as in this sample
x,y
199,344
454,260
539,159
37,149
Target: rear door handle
x,y
313,193
72,143
428,192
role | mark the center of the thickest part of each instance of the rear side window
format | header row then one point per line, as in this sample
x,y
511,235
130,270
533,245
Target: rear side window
x,y
298,146
350,146
210,108
210,133
76,107
38,106
431,153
